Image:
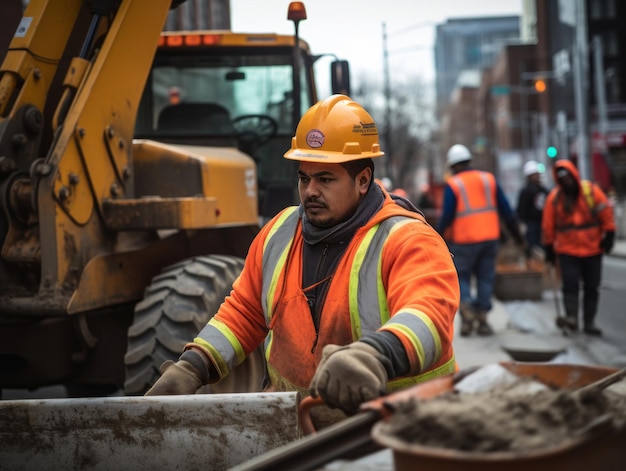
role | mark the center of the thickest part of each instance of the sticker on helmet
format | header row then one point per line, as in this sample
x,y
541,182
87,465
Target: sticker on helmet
x,y
315,138
365,128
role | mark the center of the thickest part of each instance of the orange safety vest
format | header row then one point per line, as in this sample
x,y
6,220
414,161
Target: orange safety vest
x,y
476,218
384,281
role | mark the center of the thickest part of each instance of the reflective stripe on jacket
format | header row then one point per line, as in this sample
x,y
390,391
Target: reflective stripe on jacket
x,y
396,274
577,232
476,218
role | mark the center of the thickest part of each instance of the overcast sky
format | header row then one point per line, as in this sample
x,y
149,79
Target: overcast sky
x,y
352,29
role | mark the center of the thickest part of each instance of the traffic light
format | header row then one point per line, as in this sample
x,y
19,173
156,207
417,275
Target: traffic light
x,y
540,85
552,152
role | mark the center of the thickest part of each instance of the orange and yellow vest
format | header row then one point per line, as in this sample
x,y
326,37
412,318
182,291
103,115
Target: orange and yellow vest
x,y
396,274
476,218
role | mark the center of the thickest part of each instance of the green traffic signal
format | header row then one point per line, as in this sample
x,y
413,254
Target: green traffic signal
x,y
552,152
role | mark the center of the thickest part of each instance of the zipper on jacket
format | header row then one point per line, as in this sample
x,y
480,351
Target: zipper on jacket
x,y
314,289
315,342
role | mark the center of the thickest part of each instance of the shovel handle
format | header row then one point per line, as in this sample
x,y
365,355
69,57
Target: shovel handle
x,y
602,383
384,405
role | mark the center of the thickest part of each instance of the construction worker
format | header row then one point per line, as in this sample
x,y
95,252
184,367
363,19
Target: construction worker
x,y
578,227
530,204
470,222
352,292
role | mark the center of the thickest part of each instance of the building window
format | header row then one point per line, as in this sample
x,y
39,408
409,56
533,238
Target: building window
x,y
613,92
611,44
603,9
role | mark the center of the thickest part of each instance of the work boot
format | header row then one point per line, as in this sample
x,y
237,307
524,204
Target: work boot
x,y
570,321
590,306
567,322
483,329
591,329
467,319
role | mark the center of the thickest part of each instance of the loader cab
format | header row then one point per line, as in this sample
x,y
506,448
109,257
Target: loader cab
x,y
231,90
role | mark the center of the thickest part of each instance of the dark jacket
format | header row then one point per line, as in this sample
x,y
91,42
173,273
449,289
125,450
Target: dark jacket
x,y
530,203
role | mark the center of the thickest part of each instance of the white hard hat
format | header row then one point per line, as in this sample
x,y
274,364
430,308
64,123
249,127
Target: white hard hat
x,y
531,167
458,153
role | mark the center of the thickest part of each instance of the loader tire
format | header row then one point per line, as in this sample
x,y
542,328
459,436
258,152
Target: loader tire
x,y
176,306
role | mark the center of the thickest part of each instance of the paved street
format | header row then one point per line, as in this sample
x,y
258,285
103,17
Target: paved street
x,y
530,325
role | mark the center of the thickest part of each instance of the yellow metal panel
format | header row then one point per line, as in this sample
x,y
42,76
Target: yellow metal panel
x,y
112,278
35,51
104,111
71,186
76,72
160,213
227,175
45,27
231,175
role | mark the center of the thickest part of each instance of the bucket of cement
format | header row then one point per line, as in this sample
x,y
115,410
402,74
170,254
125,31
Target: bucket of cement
x,y
536,421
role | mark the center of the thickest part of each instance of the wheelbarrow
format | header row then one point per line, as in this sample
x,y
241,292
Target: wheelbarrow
x,y
599,449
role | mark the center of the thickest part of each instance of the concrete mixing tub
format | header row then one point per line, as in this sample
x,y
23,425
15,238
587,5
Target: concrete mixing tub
x,y
203,431
603,451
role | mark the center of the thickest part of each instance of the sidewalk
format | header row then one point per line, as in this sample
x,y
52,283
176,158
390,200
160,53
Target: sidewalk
x,y
530,326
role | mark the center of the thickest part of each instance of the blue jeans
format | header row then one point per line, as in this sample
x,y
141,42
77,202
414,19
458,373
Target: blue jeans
x,y
477,260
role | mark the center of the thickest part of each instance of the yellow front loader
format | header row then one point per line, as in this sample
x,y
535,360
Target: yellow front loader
x,y
122,230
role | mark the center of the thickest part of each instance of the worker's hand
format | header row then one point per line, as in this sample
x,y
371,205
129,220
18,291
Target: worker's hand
x,y
182,377
550,256
607,242
348,376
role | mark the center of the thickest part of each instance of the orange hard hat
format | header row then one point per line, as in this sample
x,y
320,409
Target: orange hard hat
x,y
335,130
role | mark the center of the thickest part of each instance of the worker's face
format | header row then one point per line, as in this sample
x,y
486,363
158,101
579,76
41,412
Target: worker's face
x,y
567,181
328,193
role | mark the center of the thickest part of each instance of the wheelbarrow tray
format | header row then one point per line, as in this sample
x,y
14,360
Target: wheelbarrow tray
x,y
602,451
201,431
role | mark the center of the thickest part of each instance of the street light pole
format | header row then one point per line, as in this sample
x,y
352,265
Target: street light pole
x,y
387,90
598,67
581,90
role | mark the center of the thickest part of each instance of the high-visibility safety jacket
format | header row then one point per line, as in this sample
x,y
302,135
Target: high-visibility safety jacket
x,y
476,218
577,232
396,274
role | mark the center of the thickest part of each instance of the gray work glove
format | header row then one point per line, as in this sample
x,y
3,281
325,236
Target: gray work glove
x,y
348,376
182,377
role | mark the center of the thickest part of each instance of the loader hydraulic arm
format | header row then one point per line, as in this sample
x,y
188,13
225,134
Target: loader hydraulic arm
x,y
53,193
26,75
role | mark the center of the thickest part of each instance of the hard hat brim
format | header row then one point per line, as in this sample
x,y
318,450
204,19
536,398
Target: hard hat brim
x,y
328,157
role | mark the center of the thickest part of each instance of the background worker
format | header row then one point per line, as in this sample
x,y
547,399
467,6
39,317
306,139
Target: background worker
x,y
173,95
351,292
470,222
530,203
578,227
